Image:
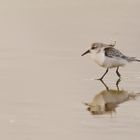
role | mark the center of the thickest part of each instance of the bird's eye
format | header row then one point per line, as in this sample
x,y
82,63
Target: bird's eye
x,y
93,47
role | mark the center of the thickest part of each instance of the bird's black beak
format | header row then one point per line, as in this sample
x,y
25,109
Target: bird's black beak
x,y
88,51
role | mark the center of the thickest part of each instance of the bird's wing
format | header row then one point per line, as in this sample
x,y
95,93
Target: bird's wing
x,y
112,52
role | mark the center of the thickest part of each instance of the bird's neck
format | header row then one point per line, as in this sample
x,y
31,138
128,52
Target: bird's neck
x,y
99,57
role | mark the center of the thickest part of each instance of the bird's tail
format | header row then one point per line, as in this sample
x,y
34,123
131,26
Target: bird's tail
x,y
131,59
137,60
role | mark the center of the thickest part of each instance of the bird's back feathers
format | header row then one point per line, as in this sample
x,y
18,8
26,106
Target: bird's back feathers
x,y
112,52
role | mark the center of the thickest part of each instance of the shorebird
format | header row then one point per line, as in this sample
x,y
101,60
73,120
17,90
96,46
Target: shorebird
x,y
105,55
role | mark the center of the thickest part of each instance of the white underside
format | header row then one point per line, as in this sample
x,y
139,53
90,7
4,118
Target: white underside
x,y
107,62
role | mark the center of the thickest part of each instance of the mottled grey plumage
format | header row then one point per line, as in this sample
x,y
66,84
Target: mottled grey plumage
x,y
112,52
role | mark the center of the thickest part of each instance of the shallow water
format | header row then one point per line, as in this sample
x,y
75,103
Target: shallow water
x,y
44,81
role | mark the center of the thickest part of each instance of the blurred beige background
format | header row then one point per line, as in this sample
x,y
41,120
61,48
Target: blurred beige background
x,y
43,79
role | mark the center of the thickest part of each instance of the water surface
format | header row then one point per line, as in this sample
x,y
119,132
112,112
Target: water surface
x,y
45,82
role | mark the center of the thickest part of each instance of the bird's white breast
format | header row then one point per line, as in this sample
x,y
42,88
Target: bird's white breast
x,y
99,58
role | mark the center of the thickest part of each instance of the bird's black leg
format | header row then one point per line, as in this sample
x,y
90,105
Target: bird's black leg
x,y
103,75
117,71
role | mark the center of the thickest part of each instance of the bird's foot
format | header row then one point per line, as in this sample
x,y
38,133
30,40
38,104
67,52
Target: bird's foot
x,y
100,79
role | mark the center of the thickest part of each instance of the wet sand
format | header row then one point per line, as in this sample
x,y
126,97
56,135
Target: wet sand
x,y
44,81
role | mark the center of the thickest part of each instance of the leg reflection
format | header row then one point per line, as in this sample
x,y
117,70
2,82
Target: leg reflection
x,y
117,84
107,88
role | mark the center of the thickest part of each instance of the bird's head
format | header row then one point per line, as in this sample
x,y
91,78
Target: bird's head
x,y
95,48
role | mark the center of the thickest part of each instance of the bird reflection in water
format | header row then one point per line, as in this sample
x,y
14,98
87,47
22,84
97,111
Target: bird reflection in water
x,y
108,100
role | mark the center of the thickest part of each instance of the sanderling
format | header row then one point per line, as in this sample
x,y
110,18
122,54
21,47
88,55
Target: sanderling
x,y
108,57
